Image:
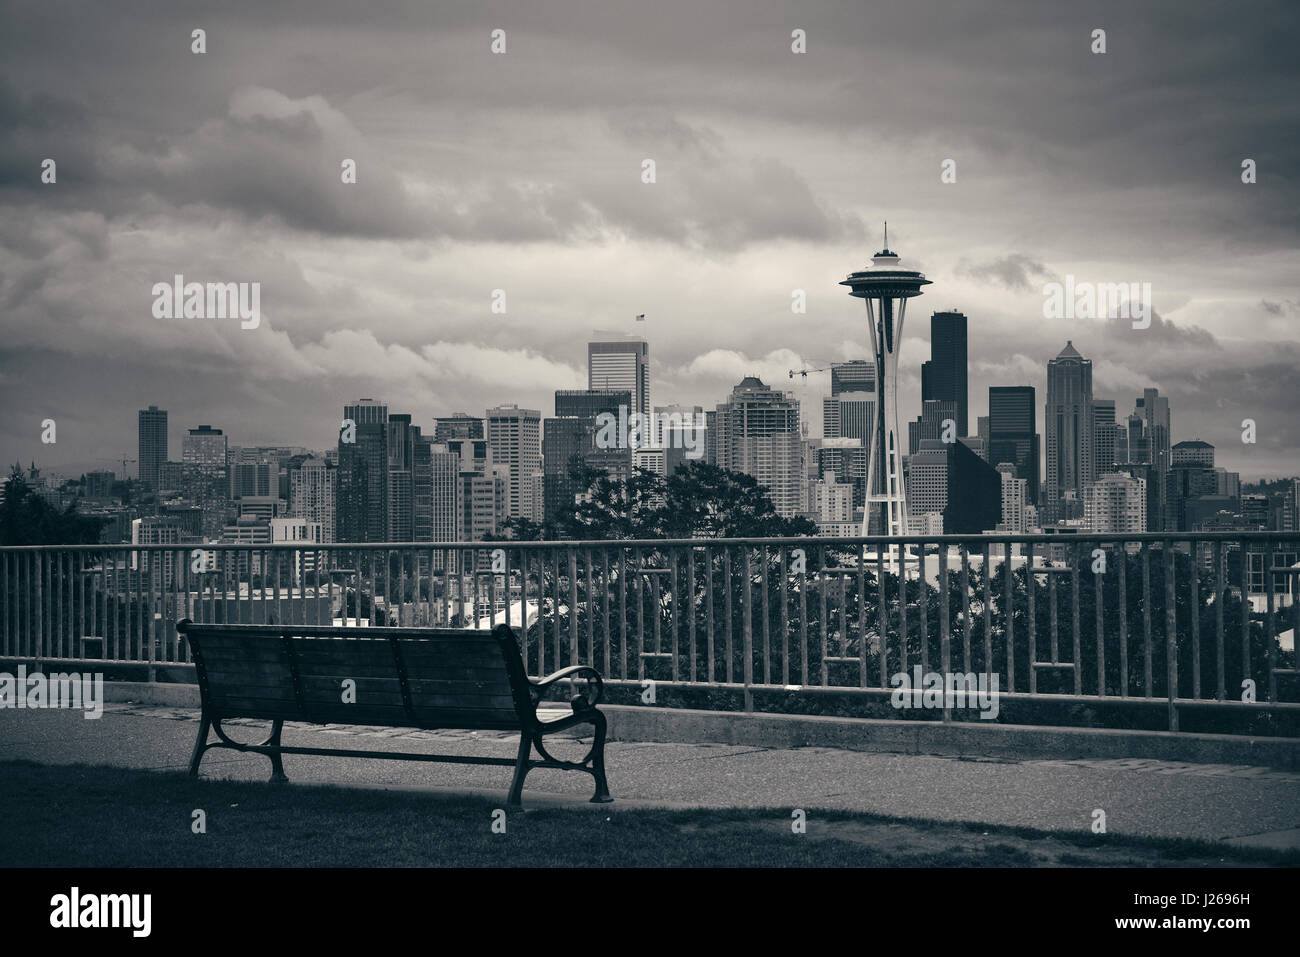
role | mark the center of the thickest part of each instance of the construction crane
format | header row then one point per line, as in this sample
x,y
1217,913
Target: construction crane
x,y
804,372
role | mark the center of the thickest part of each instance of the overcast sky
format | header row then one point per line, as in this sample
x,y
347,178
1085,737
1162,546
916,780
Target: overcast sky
x,y
522,172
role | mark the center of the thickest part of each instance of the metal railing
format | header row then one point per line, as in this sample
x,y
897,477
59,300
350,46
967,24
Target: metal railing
x,y
1149,618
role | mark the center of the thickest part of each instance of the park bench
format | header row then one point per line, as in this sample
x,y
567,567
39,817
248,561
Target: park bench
x,y
427,678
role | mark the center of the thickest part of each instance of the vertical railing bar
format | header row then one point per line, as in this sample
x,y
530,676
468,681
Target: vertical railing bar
x,y
690,609
1270,629
1220,594
638,590
924,609
591,607
1053,617
1074,595
726,585
988,610
708,613
1195,606
784,590
964,552
1247,671
674,631
882,616
821,599
862,615
1146,620
606,599
573,605
766,610
1031,611
747,609
902,607
945,637
1098,601
656,593
803,619
1123,620
1171,634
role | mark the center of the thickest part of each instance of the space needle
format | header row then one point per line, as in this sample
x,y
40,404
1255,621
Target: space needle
x,y
886,287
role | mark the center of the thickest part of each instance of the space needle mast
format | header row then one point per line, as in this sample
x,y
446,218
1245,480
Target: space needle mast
x,y
886,287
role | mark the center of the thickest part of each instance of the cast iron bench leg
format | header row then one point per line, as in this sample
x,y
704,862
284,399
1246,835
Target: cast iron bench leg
x,y
522,767
200,745
277,765
598,763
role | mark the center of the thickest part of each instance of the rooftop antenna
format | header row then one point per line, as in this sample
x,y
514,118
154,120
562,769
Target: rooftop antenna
x,y
886,234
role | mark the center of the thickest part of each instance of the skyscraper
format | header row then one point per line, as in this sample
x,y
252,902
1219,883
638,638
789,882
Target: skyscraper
x,y
886,287
458,426
620,362
943,377
1069,433
313,488
205,449
153,444
1116,502
362,510
568,442
1013,433
1153,409
758,433
1105,435
401,477
515,438
856,375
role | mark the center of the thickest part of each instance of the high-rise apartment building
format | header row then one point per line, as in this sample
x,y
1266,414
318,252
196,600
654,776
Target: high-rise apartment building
x,y
1115,503
153,444
515,437
758,433
313,488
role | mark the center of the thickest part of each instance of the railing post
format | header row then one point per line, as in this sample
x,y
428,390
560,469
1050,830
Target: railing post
x,y
747,604
1171,636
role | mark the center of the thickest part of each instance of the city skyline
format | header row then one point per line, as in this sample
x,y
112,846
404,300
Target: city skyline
x,y
472,177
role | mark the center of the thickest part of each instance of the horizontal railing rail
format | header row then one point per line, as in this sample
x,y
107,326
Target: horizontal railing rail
x,y
1176,619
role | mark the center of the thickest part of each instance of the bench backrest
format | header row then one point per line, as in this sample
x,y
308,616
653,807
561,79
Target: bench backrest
x,y
407,677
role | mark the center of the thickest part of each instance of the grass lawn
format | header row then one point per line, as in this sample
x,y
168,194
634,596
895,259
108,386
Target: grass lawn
x,y
95,816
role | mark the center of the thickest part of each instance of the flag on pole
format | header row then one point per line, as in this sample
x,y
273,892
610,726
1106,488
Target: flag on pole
x,y
641,318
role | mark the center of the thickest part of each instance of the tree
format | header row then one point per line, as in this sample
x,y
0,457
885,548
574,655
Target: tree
x,y
28,519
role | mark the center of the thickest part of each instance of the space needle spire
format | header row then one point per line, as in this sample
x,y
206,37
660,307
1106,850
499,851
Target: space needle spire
x,y
886,287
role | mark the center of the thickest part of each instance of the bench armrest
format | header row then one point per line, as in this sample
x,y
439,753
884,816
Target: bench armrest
x,y
579,702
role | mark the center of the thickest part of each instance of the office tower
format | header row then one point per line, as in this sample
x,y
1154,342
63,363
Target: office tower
x,y
831,501
1105,435
99,485
974,492
929,425
515,438
850,415
758,433
650,459
474,453
153,444
361,513
1153,409
481,503
313,487
679,431
401,477
1013,433
460,425
1193,452
1115,503
982,427
1014,500
623,363
943,377
856,375
1227,483
298,565
927,484
159,569
569,442
205,449
433,496
1068,420
886,287
1185,483
1256,511
253,471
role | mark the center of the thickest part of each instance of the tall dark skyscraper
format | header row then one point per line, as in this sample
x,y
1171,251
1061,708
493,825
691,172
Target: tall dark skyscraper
x,y
943,378
153,444
569,440
362,510
620,362
1068,421
1013,433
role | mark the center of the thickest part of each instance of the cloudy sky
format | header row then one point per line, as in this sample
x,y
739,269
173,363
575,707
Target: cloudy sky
x,y
522,171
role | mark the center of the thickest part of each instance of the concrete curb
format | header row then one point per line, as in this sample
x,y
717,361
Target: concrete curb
x,y
1012,742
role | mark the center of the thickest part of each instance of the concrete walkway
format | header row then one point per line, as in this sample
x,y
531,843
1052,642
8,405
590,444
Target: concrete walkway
x,y
1237,803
